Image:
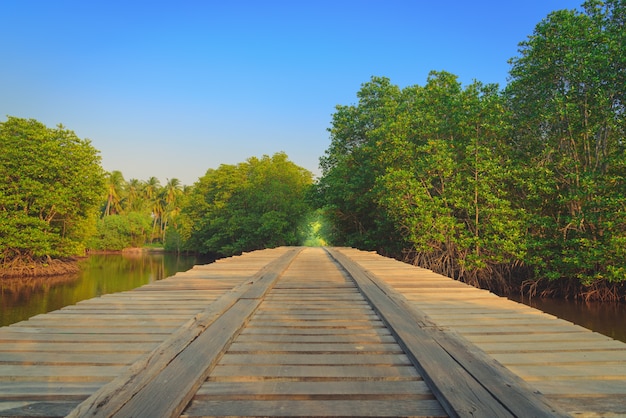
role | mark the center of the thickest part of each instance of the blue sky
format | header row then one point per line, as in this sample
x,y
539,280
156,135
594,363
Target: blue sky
x,y
172,88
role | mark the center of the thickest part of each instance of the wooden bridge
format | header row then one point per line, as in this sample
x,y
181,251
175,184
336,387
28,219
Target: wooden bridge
x,y
307,332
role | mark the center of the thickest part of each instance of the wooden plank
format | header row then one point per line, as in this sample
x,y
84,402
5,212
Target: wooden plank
x,y
564,337
354,348
61,321
320,408
582,388
463,378
305,371
67,358
61,373
316,315
602,406
92,347
563,358
313,359
551,346
571,372
116,313
316,339
363,389
46,390
313,331
527,329
104,329
37,409
17,335
322,322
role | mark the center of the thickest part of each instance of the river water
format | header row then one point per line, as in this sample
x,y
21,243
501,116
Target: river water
x,y
21,299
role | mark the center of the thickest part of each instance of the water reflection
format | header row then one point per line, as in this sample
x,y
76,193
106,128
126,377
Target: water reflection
x,y
22,298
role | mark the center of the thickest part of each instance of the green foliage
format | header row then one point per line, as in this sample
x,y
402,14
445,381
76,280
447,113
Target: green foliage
x,y
50,188
134,201
422,172
116,232
567,96
256,204
315,230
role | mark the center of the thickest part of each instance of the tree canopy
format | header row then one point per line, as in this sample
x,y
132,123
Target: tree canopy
x,y
259,203
421,172
566,95
50,188
135,212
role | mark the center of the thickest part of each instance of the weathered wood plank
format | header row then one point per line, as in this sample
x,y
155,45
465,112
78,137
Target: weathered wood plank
x,y
92,347
552,346
564,337
46,390
361,389
320,408
354,348
313,331
314,316
15,373
67,358
563,358
571,372
316,339
305,371
49,409
602,406
313,359
104,329
20,335
582,388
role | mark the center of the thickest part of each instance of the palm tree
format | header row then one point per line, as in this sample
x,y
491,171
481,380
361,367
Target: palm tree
x,y
133,198
152,193
151,188
171,192
115,185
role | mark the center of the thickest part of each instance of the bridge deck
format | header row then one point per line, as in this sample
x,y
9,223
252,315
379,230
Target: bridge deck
x,y
307,332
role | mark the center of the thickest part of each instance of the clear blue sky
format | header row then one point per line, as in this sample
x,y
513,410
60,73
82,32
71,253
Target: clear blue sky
x,y
172,88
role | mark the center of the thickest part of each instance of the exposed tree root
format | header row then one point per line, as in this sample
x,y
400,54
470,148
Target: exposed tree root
x,y
505,280
600,290
38,268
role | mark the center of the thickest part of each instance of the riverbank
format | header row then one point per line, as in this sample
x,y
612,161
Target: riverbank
x,y
24,297
50,267
40,268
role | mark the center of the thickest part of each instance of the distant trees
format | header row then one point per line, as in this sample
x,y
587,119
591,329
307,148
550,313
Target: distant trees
x,y
135,212
256,204
51,184
475,182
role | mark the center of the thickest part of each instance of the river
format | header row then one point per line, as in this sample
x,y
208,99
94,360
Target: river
x,y
21,299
